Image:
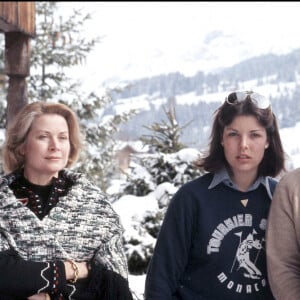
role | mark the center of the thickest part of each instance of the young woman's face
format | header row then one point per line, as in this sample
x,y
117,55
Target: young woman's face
x,y
46,148
244,142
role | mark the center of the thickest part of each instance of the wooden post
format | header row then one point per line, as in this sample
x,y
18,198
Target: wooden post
x,y
17,66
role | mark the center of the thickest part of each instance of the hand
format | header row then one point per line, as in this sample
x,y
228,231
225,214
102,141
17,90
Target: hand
x,y
41,296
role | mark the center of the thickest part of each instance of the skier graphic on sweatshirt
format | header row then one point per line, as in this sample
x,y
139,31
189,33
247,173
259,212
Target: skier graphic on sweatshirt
x,y
243,255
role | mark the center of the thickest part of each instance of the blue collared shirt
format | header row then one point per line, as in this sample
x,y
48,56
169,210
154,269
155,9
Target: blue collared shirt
x,y
223,176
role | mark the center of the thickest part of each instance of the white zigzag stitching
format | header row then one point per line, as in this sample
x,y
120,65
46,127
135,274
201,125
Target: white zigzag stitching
x,y
74,290
47,267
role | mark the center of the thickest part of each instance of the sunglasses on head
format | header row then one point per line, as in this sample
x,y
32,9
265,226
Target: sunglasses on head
x,y
259,100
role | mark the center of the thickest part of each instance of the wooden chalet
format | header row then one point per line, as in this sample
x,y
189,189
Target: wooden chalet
x,y
17,23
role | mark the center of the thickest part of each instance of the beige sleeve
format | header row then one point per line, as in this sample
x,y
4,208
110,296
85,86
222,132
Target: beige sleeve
x,y
282,239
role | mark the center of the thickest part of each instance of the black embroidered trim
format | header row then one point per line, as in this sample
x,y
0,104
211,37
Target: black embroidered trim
x,y
40,199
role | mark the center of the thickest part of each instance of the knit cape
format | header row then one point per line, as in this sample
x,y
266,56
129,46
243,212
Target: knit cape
x,y
83,222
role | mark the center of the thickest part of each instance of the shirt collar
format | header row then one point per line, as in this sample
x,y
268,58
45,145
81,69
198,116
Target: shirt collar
x,y
223,176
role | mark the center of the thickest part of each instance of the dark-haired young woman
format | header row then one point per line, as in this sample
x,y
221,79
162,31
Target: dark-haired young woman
x,y
211,245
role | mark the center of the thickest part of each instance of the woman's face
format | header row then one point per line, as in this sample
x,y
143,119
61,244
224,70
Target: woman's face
x,y
46,148
244,142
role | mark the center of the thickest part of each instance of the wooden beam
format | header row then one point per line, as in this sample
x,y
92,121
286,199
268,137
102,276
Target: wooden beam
x,y
18,16
17,66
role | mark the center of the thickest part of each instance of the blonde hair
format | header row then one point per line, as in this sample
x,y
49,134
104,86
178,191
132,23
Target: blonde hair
x,y
18,130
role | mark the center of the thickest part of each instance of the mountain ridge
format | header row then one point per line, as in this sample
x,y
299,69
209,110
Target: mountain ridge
x,y
196,97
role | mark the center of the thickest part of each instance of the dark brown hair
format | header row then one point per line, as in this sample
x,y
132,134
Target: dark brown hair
x,y
273,161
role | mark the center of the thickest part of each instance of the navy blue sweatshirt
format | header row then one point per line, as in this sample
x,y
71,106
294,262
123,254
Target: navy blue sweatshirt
x,y
211,244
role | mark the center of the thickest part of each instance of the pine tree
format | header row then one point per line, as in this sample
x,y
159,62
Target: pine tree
x,y
164,139
100,130
165,135
57,47
168,170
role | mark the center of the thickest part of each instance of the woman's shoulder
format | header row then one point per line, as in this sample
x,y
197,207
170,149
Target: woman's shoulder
x,y
82,184
77,178
71,174
290,178
295,173
7,179
6,194
201,181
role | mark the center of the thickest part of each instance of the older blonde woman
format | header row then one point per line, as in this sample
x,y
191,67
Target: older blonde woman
x,y
59,236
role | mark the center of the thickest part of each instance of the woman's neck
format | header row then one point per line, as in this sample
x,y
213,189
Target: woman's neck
x,y
244,180
38,180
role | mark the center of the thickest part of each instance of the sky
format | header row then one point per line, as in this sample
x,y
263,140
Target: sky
x,y
142,39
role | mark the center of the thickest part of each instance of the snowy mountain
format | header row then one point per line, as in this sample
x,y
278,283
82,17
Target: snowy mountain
x,y
146,39
196,97
210,52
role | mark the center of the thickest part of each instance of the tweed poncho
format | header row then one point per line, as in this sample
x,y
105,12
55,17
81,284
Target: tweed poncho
x,y
81,223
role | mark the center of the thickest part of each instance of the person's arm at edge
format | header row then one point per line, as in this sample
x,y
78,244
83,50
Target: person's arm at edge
x,y
171,250
26,278
283,252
